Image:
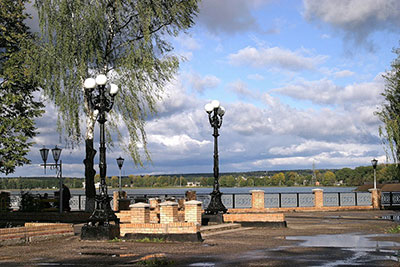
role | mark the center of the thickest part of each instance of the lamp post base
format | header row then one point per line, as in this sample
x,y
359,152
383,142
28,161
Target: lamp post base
x,y
215,206
99,226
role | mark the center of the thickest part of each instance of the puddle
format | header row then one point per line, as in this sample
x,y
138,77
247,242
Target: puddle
x,y
114,255
343,241
202,264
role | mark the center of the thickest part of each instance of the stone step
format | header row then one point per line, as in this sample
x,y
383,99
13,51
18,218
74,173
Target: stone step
x,y
219,227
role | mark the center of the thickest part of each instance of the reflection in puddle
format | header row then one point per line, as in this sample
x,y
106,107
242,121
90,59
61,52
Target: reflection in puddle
x,y
203,264
343,241
363,248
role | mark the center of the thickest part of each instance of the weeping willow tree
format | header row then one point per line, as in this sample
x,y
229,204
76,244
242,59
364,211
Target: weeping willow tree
x,y
125,39
389,113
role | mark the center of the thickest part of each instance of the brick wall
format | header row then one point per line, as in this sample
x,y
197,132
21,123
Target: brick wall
x,y
168,212
254,217
140,219
34,231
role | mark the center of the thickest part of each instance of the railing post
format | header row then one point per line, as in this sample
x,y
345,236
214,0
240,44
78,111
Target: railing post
x,y
279,200
318,197
79,201
376,198
298,199
257,199
233,200
339,204
355,199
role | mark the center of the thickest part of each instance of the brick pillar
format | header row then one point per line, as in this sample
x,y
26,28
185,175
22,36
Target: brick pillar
x,y
115,201
154,203
190,195
257,199
193,211
168,212
154,210
376,198
318,197
116,197
140,212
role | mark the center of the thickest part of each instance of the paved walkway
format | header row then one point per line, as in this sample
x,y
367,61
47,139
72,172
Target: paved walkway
x,y
331,239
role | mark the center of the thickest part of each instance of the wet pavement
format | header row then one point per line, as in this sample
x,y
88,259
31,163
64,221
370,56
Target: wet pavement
x,y
311,239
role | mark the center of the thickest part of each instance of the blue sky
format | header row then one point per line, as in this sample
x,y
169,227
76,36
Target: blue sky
x,y
300,81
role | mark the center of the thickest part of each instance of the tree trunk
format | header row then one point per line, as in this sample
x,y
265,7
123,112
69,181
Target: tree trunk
x,y
90,190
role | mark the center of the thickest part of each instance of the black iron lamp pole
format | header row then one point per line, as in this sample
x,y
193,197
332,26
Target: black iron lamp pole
x,y
374,163
215,114
44,152
98,100
120,162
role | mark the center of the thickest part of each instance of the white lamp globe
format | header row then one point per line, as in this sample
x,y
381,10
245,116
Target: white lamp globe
x,y
209,107
113,89
221,111
101,79
215,103
89,83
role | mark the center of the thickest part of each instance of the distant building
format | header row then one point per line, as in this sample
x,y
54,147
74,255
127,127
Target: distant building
x,y
193,184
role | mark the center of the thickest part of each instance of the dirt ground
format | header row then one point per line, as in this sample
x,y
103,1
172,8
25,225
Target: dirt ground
x,y
236,247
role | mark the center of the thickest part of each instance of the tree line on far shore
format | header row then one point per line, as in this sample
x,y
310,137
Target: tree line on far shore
x,y
385,173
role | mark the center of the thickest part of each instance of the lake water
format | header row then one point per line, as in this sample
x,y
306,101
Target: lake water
x,y
202,190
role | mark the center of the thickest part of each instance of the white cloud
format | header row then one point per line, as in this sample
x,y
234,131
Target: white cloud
x,y
188,42
325,91
356,19
230,16
275,57
343,73
255,76
242,90
200,84
182,141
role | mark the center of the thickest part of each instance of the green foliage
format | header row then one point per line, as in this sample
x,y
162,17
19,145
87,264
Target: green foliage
x,y
278,179
151,240
329,178
29,202
38,183
394,230
389,113
18,109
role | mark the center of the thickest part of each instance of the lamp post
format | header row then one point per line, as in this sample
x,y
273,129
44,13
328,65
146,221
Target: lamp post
x,y
215,114
120,162
98,226
44,152
374,164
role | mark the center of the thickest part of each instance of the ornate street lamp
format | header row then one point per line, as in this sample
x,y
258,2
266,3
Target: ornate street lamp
x,y
215,114
98,226
374,164
44,153
120,162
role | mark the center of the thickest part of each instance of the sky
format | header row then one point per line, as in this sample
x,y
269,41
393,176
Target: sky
x,y
300,82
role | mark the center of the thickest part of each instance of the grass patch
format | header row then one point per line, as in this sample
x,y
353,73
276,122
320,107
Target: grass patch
x,y
151,240
394,230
